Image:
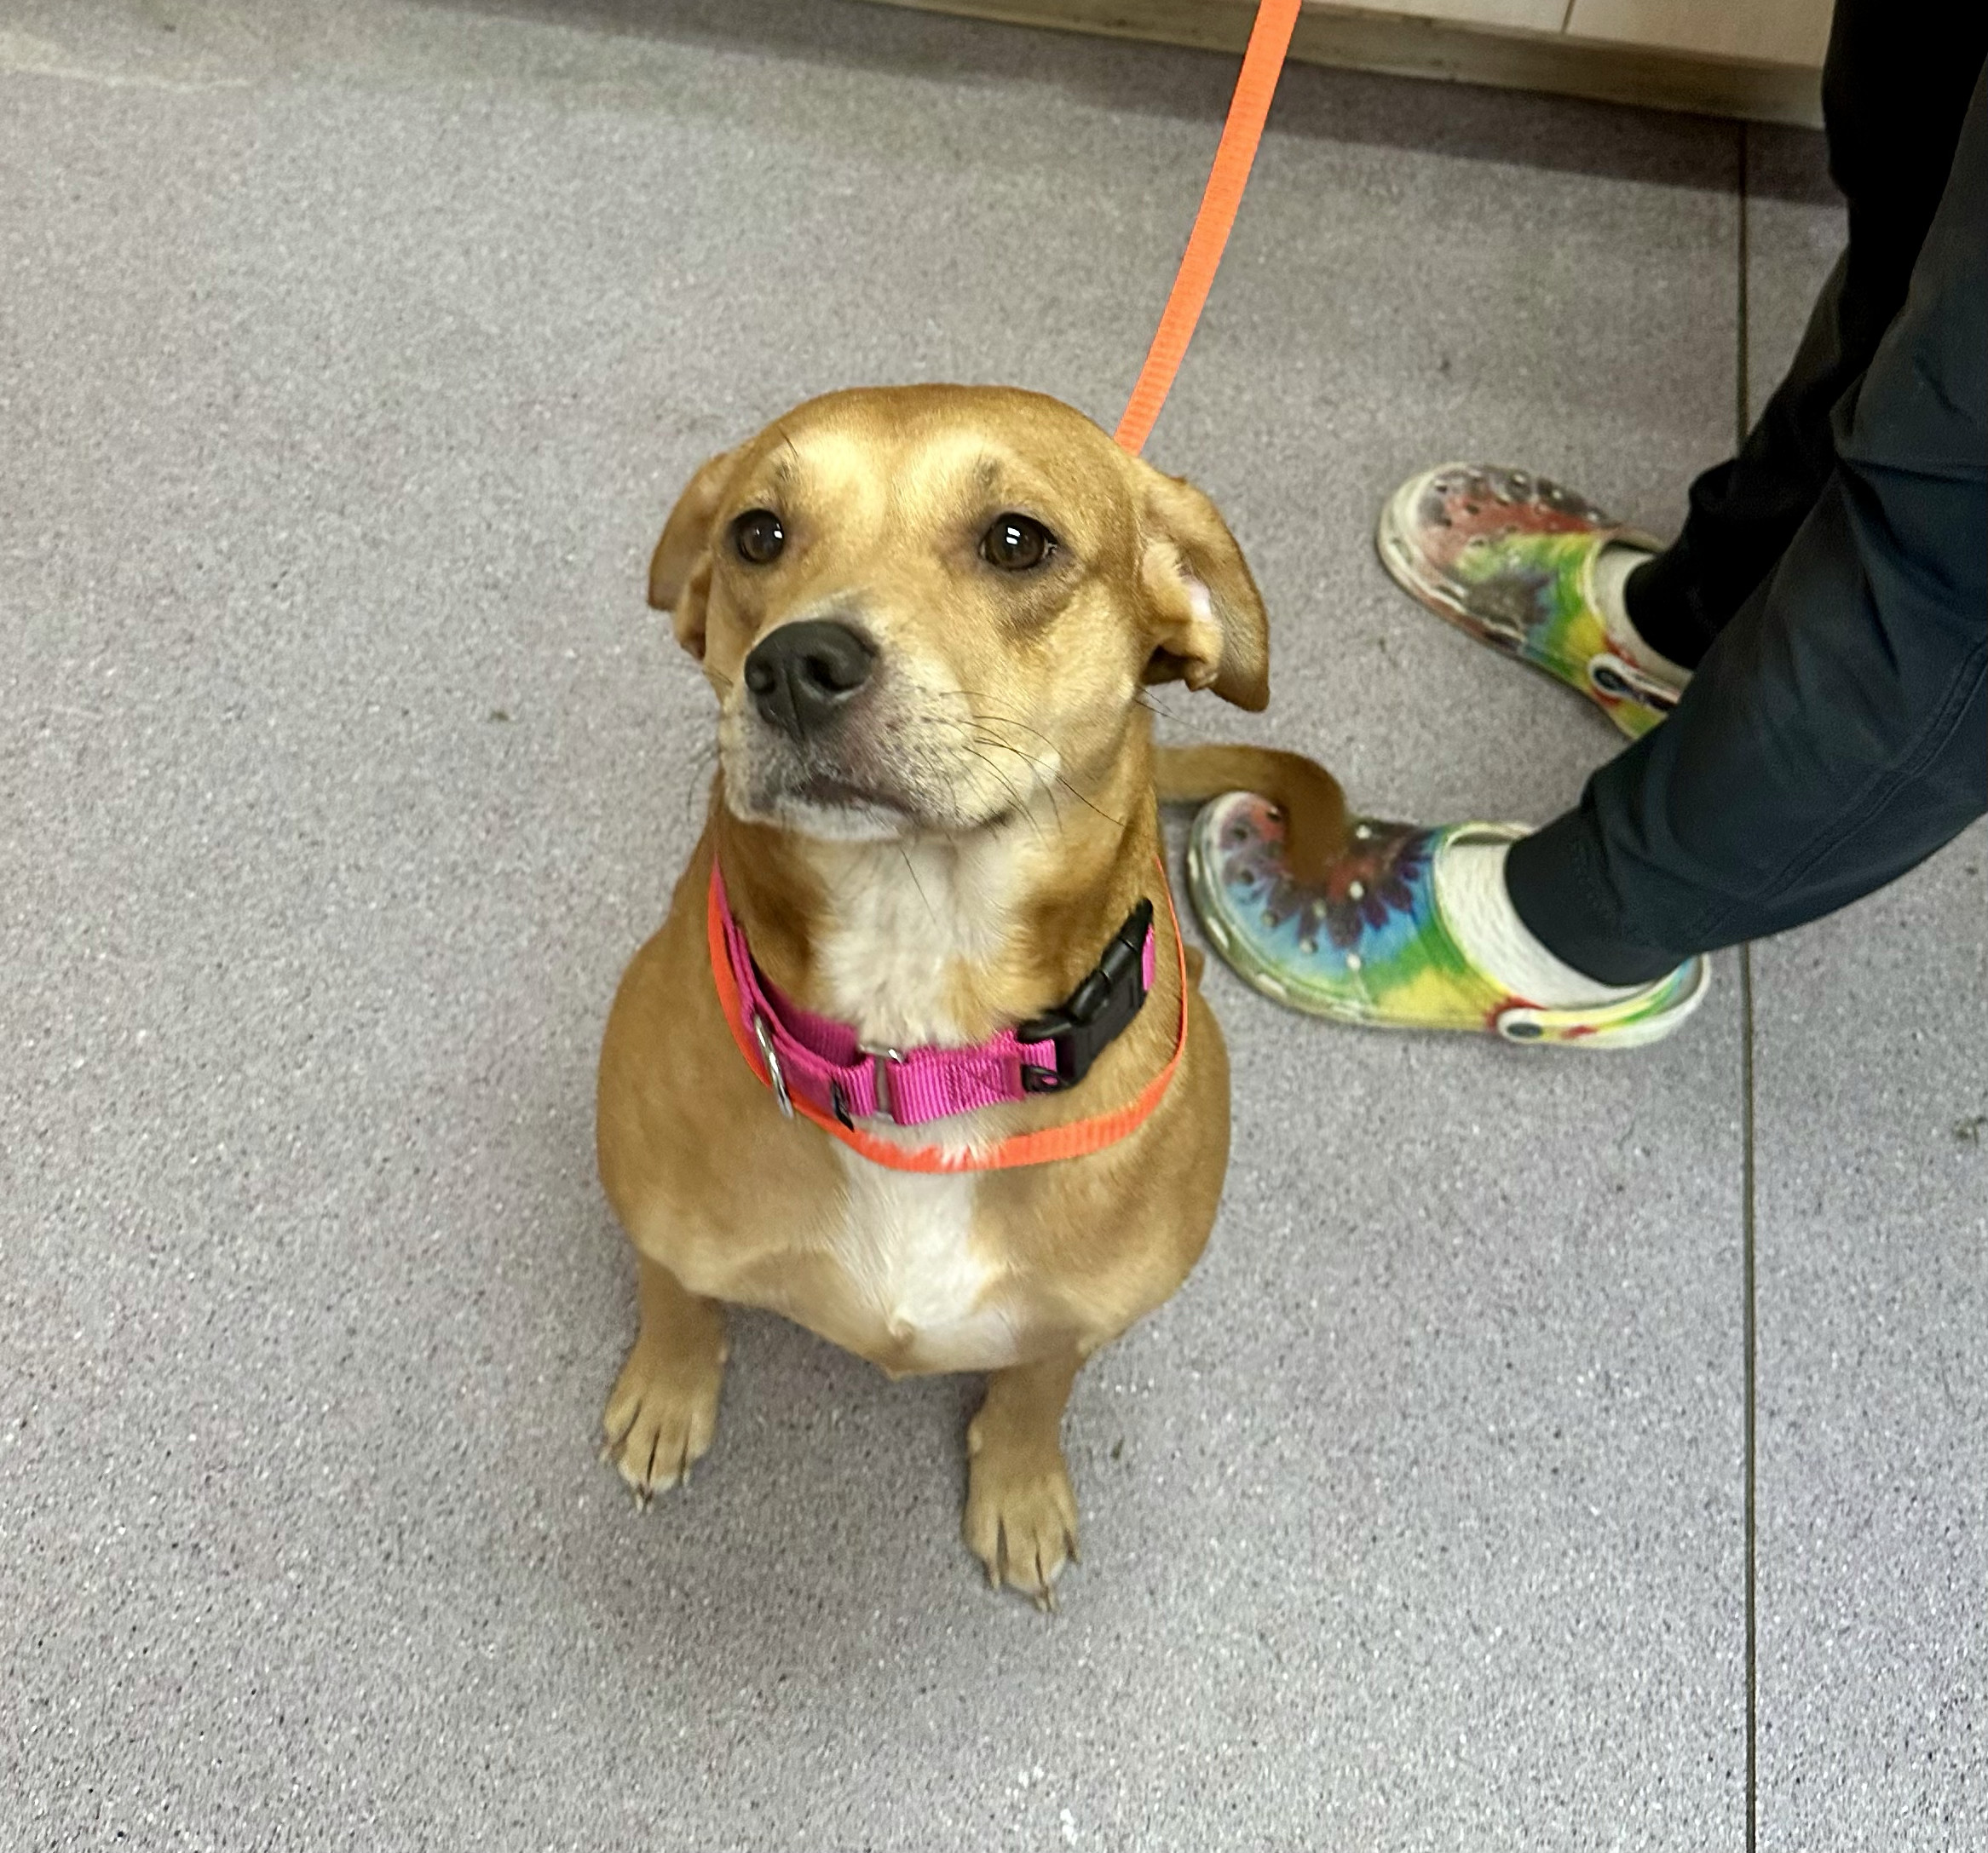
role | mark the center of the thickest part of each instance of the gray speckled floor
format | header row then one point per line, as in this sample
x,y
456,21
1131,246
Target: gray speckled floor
x,y
349,358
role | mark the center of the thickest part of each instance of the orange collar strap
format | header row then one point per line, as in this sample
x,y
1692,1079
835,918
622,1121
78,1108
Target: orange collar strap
x,y
1076,1140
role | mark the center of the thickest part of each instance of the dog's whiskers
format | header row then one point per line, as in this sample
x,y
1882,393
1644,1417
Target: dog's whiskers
x,y
704,758
1021,803
1006,720
983,719
982,737
1042,765
913,872
1167,714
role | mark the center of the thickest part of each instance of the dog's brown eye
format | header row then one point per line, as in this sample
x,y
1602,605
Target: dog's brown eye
x,y
757,537
1014,543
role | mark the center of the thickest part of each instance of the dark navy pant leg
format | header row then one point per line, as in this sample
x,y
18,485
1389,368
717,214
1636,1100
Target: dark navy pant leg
x,y
1836,731
1895,90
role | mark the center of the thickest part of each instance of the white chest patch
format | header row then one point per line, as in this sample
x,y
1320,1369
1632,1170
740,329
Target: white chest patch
x,y
904,918
905,1246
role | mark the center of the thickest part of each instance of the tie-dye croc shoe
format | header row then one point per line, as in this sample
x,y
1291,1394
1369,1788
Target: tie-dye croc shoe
x,y
1510,558
1371,947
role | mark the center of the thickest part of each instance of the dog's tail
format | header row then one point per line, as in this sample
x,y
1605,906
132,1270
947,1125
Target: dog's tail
x,y
1315,825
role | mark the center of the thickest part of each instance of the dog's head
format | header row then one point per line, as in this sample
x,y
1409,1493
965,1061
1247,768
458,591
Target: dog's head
x,y
922,606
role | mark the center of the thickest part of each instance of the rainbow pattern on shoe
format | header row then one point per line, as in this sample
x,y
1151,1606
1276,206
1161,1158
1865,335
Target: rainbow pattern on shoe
x,y
1509,558
1370,944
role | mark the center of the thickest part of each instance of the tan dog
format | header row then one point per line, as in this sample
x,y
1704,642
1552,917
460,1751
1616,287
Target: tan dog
x,y
928,613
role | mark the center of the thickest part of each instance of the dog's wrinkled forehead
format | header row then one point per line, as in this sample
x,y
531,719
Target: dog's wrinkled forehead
x,y
861,472
958,521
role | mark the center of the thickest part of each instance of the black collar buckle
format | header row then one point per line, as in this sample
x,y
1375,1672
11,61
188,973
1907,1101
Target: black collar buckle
x,y
1109,996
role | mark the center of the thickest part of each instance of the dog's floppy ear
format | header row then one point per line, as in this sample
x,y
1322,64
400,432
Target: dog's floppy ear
x,y
679,571
1210,631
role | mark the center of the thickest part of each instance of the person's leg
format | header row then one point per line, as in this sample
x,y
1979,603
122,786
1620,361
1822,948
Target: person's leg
x,y
1533,569
1893,96
1836,731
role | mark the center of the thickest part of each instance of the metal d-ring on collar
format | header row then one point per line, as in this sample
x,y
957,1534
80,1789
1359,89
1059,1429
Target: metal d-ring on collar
x,y
882,1059
763,1037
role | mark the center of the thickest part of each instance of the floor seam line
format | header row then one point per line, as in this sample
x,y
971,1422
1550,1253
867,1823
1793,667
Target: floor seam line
x,y
1749,1397
1749,1346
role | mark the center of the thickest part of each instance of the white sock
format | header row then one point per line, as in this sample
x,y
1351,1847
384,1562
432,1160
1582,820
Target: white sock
x,y
1470,890
1611,572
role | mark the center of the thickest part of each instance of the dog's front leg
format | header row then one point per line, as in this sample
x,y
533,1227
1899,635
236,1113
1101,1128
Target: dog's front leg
x,y
1021,1513
663,1409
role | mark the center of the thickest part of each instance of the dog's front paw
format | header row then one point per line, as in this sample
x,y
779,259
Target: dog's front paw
x,y
1021,1515
662,1413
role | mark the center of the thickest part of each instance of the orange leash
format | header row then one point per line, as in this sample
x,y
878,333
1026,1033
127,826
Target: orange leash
x,y
1269,38
1075,1139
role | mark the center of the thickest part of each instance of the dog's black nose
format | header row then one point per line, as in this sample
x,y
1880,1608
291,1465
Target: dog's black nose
x,y
803,675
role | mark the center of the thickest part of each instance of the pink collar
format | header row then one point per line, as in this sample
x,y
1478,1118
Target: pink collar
x,y
820,1062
